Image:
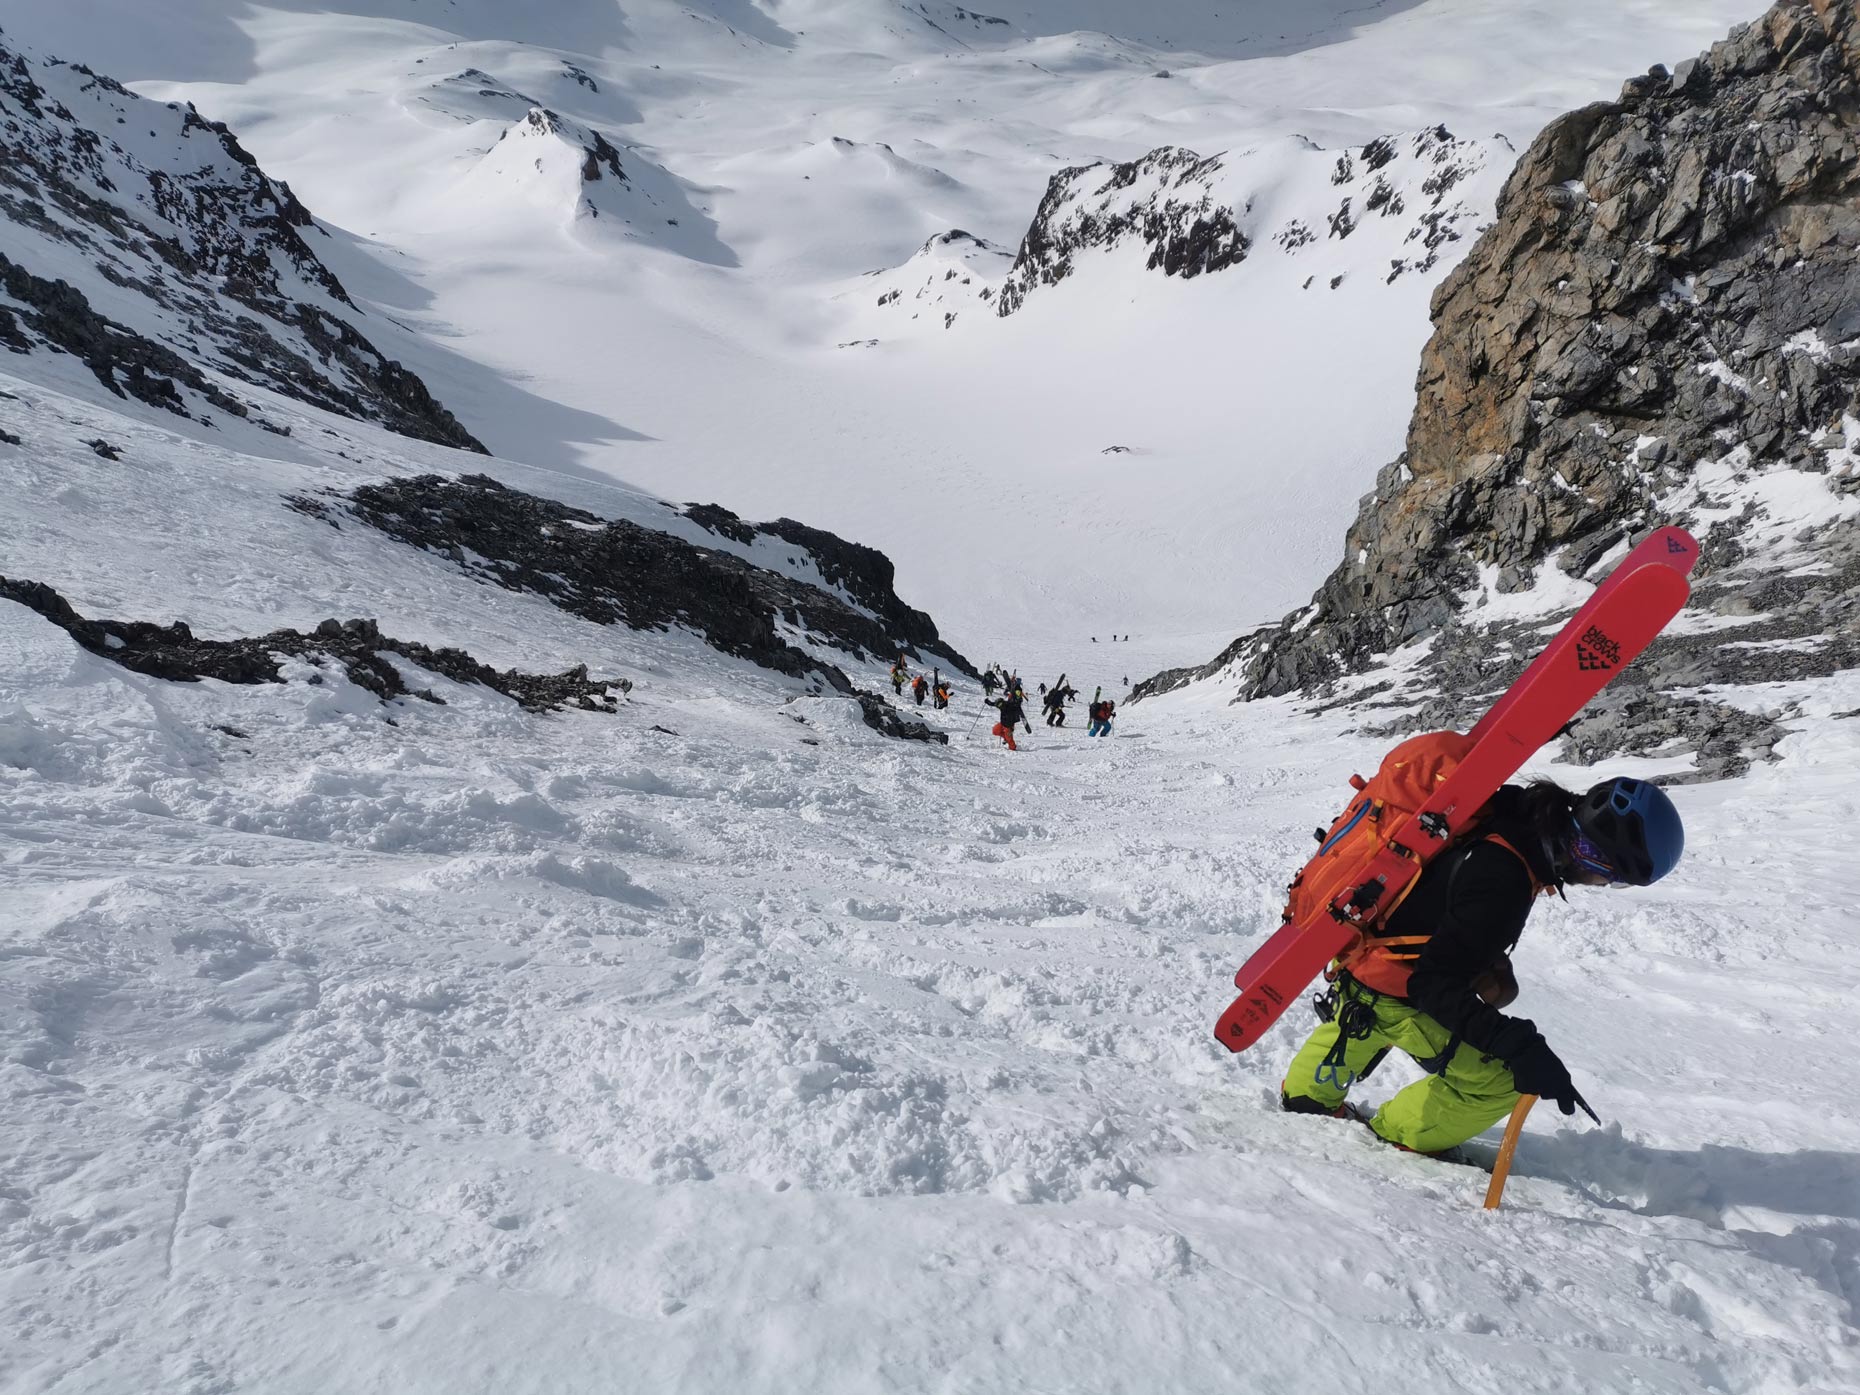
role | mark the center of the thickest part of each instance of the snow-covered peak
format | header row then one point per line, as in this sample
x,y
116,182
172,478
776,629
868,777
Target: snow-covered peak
x,y
520,163
953,272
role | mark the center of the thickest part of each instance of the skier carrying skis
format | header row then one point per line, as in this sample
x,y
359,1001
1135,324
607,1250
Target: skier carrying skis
x,y
1013,708
990,681
1431,980
940,691
1102,709
1056,699
898,674
920,687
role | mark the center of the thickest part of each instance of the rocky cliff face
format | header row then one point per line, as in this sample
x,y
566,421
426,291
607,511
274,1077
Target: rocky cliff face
x,y
147,243
1663,325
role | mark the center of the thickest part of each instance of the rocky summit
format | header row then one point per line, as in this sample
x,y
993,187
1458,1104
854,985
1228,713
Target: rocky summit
x,y
1662,326
1191,215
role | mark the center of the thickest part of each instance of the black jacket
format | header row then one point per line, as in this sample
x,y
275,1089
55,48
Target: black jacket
x,y
1013,711
1475,900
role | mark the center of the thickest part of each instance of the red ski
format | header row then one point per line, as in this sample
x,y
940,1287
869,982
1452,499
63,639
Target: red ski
x,y
1670,547
1630,607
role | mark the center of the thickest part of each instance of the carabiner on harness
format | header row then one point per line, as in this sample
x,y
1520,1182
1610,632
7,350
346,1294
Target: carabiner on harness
x,y
1355,1020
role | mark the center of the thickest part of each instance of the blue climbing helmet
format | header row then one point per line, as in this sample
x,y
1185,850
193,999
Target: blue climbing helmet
x,y
1628,831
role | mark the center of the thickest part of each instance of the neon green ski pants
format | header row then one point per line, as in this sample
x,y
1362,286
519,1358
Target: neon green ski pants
x,y
1442,1111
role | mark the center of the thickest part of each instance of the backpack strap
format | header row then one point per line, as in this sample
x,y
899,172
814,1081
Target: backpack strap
x,y
1407,948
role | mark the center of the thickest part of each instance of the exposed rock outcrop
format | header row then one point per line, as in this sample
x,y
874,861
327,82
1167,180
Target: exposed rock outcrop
x,y
1190,215
56,314
614,571
1663,325
203,262
175,653
862,575
1165,200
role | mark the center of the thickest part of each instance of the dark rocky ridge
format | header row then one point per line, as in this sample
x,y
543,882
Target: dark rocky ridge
x,y
1666,310
57,314
175,653
1186,231
1181,208
613,571
864,573
203,257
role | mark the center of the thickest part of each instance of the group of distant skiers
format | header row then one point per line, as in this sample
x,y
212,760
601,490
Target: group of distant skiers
x,y
935,687
1011,706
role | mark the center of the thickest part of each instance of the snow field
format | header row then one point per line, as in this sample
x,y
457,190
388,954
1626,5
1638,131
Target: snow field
x,y
486,1050
559,1053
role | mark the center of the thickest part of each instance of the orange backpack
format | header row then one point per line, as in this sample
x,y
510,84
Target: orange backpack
x,y
1408,775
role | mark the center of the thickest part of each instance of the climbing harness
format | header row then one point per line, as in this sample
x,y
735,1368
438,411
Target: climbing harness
x,y
1355,1019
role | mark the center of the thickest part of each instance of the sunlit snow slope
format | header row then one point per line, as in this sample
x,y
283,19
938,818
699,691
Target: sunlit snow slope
x,y
698,320
720,1043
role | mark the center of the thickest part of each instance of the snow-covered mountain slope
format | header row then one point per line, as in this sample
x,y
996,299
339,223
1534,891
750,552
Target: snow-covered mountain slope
x,y
174,271
378,1017
1176,213
720,1043
953,274
145,241
800,146
262,535
1404,198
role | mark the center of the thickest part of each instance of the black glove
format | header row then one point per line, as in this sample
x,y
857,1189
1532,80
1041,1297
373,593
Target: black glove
x,y
1536,1070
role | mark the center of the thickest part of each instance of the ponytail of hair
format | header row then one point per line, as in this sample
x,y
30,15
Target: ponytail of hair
x,y
1546,808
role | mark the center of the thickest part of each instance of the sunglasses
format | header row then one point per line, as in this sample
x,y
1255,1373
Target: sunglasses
x,y
1590,857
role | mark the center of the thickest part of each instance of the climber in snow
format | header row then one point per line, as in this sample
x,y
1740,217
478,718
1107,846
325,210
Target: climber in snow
x,y
1012,706
1056,699
1432,979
